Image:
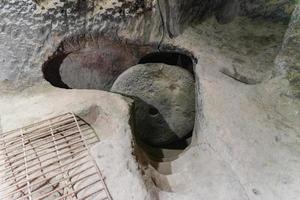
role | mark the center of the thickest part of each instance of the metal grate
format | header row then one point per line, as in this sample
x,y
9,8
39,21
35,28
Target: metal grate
x,y
50,160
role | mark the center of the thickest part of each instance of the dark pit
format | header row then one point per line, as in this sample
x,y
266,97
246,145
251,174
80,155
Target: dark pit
x,y
153,112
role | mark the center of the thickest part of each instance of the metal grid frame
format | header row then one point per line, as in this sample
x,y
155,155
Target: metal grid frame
x,y
51,160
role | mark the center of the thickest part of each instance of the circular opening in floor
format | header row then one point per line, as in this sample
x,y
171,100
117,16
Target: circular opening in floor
x,y
87,64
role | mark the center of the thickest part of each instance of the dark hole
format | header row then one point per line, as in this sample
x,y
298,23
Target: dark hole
x,y
180,144
153,111
51,71
170,58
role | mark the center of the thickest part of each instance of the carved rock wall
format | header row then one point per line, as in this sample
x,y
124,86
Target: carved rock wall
x,y
276,10
31,31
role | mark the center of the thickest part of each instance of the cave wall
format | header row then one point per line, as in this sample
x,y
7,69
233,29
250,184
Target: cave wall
x,y
32,31
275,10
288,60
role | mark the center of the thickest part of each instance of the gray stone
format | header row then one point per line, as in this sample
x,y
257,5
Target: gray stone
x,y
274,10
227,11
287,62
164,97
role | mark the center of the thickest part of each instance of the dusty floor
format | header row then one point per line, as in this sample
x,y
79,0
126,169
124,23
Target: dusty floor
x,y
246,143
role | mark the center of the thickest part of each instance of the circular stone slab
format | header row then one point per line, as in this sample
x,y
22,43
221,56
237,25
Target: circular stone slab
x,y
164,101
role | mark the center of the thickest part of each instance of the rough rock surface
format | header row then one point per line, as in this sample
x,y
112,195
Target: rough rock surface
x,y
108,114
288,61
31,32
246,140
252,46
93,62
275,10
165,104
195,11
